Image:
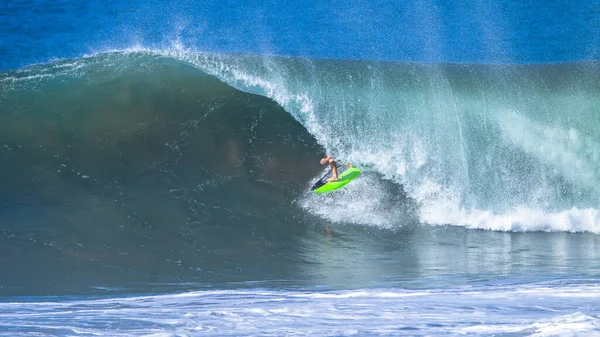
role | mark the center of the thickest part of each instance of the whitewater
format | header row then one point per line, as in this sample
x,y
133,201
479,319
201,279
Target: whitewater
x,y
543,310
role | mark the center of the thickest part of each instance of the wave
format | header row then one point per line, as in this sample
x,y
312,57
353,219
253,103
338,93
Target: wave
x,y
501,147
151,171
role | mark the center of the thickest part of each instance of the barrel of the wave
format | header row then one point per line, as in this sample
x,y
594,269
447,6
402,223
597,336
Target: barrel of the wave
x,y
346,173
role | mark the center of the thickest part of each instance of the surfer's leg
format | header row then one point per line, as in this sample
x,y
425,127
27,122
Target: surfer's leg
x,y
333,170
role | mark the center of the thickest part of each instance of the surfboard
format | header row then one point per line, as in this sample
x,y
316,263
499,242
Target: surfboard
x,y
345,175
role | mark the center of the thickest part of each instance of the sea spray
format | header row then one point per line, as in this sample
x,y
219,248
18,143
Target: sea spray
x,y
482,146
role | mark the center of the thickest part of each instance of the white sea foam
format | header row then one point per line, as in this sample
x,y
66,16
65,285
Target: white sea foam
x,y
576,324
531,309
523,219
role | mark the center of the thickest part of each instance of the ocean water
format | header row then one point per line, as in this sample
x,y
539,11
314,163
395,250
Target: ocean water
x,y
156,160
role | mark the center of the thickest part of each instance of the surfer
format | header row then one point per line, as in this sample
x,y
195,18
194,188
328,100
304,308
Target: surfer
x,y
335,179
329,159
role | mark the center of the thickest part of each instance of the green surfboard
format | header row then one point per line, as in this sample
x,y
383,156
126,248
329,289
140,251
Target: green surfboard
x,y
345,175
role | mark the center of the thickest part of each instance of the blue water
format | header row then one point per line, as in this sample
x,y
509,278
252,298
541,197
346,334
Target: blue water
x,y
488,31
156,159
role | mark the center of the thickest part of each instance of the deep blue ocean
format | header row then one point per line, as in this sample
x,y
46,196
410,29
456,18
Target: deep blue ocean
x,y
484,31
156,159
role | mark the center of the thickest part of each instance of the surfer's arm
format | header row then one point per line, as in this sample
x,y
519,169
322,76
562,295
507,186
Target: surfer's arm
x,y
326,160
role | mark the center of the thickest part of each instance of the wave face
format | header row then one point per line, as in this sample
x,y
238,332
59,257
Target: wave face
x,y
504,147
130,164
